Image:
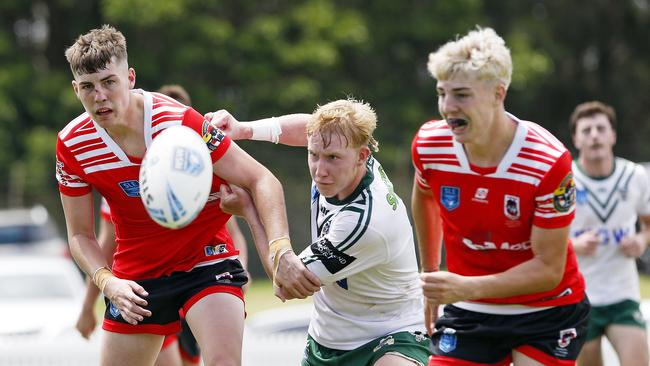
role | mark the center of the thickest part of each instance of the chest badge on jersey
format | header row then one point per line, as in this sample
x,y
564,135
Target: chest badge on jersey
x,y
511,207
450,197
130,187
481,195
581,196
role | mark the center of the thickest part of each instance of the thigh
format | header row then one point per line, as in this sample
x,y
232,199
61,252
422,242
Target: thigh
x,y
402,348
217,322
130,349
591,353
554,336
630,343
169,354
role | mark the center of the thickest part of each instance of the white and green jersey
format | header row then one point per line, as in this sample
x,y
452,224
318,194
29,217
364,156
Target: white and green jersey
x,y
363,252
610,205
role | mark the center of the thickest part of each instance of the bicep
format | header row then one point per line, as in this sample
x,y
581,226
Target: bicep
x,y
239,168
79,216
550,245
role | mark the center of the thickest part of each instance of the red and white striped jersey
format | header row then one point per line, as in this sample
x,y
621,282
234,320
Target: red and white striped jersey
x,y
87,157
488,213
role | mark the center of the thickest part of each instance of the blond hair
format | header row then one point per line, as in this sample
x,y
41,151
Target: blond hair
x,y
94,50
352,119
482,53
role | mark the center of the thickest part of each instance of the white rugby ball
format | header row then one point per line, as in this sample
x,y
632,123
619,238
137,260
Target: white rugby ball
x,y
175,177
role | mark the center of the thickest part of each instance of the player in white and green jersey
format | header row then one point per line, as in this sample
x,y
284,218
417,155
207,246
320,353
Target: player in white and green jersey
x,y
612,194
370,308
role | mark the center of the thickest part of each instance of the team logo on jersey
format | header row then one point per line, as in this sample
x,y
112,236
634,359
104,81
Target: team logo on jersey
x,y
215,249
480,195
130,187
62,176
564,195
581,196
623,193
511,207
211,135
448,340
566,335
450,197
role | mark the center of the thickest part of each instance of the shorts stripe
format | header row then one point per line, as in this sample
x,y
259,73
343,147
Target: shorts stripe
x,y
542,357
219,289
160,329
450,361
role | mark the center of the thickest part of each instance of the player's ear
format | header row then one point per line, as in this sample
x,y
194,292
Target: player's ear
x,y
131,78
364,153
75,87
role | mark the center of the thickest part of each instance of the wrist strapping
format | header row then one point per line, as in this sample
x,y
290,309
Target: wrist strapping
x,y
278,247
268,129
101,277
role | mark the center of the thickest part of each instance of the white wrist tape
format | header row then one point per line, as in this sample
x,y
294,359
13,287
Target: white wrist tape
x,y
266,130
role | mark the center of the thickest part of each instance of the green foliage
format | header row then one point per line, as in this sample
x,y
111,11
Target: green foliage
x,y
261,58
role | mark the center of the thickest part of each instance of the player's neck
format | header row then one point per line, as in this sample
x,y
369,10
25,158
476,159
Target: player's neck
x,y
129,133
492,147
597,168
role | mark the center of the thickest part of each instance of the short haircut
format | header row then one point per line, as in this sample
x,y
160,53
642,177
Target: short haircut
x,y
94,50
177,92
352,119
589,109
482,53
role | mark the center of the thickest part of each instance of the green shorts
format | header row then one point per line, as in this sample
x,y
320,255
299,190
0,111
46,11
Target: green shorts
x,y
626,312
414,346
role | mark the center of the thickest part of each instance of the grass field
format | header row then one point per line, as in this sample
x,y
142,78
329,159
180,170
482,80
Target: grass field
x,y
260,296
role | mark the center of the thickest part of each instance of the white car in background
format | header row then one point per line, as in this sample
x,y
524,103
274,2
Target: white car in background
x,y
276,337
40,300
29,231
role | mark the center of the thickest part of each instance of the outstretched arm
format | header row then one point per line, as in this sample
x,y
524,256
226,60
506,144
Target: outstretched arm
x,y
287,130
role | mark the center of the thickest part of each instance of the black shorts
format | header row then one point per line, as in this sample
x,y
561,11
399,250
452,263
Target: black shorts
x,y
552,336
180,290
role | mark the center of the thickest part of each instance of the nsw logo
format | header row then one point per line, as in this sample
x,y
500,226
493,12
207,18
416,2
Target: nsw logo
x,y
448,340
187,161
450,197
130,187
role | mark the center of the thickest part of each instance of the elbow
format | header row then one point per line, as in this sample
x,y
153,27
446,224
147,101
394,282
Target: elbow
x,y
551,278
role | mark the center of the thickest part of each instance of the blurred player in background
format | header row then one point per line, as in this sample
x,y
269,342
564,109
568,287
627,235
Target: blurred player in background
x,y
499,190
180,348
156,271
370,310
612,194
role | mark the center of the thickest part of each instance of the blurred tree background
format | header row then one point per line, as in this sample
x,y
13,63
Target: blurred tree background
x,y
263,58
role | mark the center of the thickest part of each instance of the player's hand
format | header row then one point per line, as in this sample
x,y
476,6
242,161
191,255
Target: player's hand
x,y
235,200
293,279
223,120
443,287
127,297
587,243
86,322
430,316
633,246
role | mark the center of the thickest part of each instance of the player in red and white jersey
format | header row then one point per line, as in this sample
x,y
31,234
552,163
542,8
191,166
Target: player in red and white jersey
x,y
157,271
500,192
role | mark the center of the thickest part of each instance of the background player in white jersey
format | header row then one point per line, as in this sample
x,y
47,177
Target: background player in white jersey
x,y
612,193
180,348
369,311
157,271
500,190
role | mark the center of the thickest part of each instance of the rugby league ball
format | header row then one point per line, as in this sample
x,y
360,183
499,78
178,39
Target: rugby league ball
x,y
175,177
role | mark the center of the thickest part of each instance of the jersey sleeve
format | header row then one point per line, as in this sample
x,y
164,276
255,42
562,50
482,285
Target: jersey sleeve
x,y
70,180
643,185
417,163
214,138
348,248
555,197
